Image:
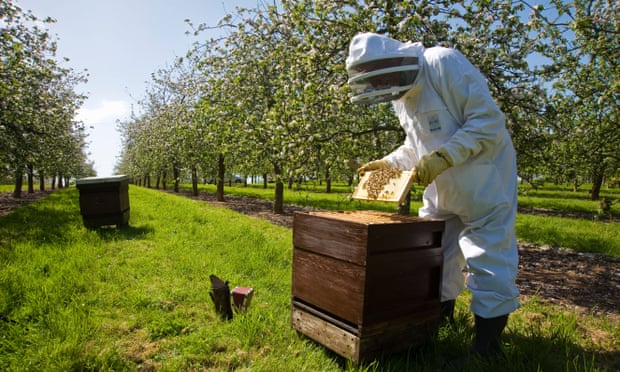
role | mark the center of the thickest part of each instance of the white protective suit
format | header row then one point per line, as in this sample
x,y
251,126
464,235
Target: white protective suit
x,y
450,106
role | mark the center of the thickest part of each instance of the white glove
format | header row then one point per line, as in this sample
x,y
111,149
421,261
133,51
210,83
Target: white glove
x,y
430,166
373,165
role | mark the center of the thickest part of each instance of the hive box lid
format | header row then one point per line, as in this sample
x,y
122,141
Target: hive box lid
x,y
355,235
99,180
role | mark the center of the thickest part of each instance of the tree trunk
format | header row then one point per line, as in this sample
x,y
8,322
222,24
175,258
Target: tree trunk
x,y
60,184
221,171
42,181
575,184
30,179
328,182
264,180
194,181
597,182
53,182
278,203
290,183
176,174
19,180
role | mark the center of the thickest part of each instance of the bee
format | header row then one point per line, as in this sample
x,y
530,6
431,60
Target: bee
x,y
378,179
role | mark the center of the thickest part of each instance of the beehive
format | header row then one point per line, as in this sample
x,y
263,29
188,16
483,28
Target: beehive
x,y
366,283
104,200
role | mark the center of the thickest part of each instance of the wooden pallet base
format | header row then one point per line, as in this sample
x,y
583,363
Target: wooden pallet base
x,y
361,345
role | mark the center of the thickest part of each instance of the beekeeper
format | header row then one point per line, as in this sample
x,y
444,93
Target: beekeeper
x,y
458,147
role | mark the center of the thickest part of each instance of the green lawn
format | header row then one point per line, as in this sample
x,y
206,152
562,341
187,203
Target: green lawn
x,y
137,299
597,235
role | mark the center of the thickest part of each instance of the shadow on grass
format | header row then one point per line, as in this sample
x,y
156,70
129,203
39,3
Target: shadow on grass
x,y
127,232
57,219
49,220
537,352
521,352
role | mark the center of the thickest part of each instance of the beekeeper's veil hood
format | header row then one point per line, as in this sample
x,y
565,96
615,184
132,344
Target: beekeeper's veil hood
x,y
380,68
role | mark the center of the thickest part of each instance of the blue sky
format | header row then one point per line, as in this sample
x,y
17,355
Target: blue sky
x,y
120,43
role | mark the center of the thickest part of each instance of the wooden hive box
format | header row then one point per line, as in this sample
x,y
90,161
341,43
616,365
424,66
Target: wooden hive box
x,y
104,200
366,283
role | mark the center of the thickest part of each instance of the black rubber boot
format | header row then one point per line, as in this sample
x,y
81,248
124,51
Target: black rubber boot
x,y
488,334
446,312
486,342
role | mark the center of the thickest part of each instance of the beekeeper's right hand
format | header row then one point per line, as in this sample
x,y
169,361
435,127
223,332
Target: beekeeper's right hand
x,y
373,165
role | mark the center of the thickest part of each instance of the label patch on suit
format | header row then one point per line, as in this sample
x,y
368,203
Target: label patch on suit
x,y
433,123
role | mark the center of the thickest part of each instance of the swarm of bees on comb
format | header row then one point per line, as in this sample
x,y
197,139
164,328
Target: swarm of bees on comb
x,y
378,179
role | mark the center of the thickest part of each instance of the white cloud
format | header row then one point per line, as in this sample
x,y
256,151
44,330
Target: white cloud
x,y
104,141
106,112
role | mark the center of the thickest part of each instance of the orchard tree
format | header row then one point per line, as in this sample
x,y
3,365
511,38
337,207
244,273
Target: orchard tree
x,y
586,93
167,110
180,120
499,38
285,70
168,137
274,92
334,128
135,160
37,99
220,114
250,75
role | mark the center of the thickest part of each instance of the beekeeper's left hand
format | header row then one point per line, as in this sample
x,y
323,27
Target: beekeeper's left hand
x,y
373,165
430,166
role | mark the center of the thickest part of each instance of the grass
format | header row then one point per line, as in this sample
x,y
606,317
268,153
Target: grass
x,y
563,198
137,299
584,235
308,195
580,235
